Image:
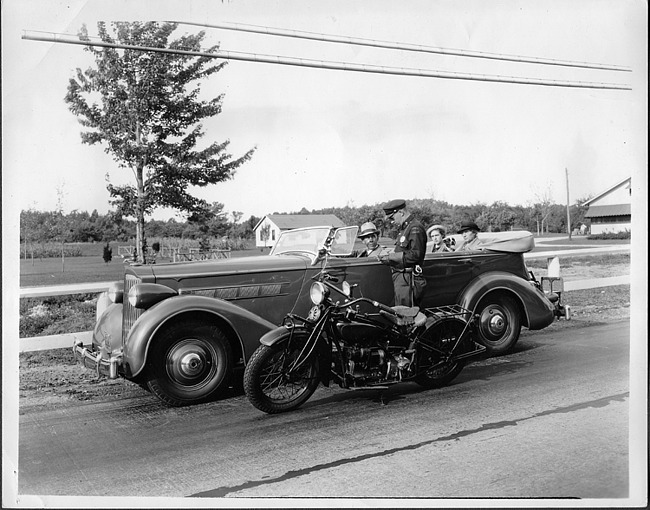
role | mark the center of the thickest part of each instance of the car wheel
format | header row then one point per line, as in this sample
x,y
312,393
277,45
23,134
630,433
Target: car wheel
x,y
189,364
499,324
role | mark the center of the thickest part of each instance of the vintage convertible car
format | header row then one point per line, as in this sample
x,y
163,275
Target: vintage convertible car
x,y
182,330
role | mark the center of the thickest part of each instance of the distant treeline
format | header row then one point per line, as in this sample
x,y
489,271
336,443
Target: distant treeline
x,y
53,226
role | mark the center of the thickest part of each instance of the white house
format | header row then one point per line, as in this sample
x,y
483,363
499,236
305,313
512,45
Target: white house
x,y
268,228
611,210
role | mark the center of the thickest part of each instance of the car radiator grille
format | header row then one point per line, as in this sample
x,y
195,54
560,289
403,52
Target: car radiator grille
x,y
129,313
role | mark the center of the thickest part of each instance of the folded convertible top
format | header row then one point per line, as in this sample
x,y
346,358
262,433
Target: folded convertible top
x,y
513,242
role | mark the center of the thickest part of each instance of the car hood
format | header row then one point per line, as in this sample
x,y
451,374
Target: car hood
x,y
222,267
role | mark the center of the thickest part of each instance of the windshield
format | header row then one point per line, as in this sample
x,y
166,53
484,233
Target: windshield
x,y
311,239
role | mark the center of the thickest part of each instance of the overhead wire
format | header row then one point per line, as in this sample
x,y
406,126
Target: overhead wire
x,y
342,66
299,34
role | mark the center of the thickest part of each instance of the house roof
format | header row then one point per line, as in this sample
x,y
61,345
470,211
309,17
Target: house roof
x,y
608,190
291,221
598,211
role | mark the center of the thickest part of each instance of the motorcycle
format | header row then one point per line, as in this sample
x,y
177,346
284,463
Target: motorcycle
x,y
358,343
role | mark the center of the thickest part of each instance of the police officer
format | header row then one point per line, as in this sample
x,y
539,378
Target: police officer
x,y
406,261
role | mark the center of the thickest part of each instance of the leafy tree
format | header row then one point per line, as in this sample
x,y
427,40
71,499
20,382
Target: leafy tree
x,y
148,114
265,233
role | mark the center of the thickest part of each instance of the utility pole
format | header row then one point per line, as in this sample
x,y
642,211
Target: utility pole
x,y
568,213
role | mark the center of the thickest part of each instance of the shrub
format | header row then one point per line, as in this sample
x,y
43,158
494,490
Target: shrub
x,y
56,315
108,253
611,235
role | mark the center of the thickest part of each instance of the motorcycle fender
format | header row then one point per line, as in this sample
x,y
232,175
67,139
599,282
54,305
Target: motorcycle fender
x,y
538,310
324,357
245,327
274,336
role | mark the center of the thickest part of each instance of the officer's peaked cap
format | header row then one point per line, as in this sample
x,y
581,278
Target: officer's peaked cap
x,y
394,205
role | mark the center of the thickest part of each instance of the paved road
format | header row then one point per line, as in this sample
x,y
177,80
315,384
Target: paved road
x,y
548,421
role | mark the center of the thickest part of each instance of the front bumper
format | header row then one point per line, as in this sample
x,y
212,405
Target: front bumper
x,y
93,359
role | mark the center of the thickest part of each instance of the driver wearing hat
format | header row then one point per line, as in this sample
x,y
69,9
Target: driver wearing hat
x,y
407,259
370,237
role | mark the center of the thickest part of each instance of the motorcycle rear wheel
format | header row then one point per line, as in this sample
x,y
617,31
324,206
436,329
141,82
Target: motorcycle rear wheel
x,y
437,342
270,387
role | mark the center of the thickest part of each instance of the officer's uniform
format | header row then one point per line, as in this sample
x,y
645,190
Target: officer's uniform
x,y
407,259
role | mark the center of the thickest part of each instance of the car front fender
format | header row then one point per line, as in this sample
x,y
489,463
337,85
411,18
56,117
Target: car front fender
x,y
107,333
537,309
246,326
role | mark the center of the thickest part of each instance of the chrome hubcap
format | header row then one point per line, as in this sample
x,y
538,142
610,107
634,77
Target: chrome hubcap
x,y
497,324
191,364
493,323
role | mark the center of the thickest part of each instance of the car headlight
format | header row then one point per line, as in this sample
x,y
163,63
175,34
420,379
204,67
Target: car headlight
x,y
145,295
318,293
116,292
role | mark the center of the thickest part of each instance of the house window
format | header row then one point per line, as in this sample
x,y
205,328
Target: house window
x,y
611,219
273,235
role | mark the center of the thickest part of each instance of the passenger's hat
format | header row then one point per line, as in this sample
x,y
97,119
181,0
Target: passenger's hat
x,y
394,205
442,230
367,229
468,225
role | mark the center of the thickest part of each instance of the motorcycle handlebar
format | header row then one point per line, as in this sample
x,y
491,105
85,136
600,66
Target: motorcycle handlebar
x,y
374,303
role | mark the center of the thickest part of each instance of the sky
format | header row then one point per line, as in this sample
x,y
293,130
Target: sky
x,y
328,138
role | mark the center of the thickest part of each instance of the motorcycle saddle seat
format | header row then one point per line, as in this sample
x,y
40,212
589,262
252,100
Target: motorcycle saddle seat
x,y
407,316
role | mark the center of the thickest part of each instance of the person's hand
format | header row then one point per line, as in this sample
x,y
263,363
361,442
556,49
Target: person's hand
x,y
383,257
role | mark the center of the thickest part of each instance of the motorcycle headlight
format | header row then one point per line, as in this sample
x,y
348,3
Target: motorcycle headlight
x,y
116,292
318,293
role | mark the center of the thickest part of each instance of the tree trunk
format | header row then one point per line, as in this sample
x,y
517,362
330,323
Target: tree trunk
x,y
140,241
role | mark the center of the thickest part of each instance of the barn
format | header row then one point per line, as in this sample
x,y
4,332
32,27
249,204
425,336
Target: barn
x,y
611,210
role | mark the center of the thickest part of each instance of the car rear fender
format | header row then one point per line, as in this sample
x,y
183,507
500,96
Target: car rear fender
x,y
242,327
537,309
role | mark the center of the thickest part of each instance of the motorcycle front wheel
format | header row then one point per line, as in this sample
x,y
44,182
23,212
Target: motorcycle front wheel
x,y
435,344
270,383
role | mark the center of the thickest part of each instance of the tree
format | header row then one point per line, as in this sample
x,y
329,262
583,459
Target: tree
x,y
108,253
265,233
543,207
148,114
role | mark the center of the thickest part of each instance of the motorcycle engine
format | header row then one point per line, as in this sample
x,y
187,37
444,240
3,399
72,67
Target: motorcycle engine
x,y
375,364
366,361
